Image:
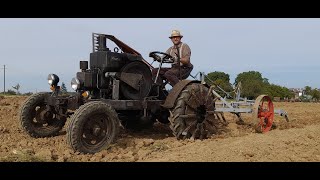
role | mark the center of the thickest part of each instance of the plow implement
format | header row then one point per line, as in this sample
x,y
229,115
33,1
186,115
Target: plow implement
x,y
262,108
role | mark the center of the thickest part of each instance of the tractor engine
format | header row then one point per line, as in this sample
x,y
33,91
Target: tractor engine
x,y
113,71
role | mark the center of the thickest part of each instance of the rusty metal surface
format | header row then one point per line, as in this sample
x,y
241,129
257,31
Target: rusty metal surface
x,y
124,47
175,91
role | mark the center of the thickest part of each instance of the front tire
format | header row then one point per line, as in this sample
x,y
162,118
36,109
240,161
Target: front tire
x,y
36,120
93,127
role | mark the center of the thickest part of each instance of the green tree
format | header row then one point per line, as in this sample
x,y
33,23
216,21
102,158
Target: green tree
x,y
219,78
64,88
252,84
315,94
307,90
274,90
17,87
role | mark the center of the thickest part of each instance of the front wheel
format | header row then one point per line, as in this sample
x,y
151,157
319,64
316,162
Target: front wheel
x,y
36,120
93,127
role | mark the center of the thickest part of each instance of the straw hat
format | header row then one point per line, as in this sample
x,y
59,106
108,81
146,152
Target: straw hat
x,y
175,33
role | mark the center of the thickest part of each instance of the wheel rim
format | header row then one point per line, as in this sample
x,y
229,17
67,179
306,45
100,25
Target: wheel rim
x,y
96,131
42,118
263,113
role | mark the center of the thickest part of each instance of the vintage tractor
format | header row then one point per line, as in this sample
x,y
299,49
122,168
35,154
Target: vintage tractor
x,y
118,89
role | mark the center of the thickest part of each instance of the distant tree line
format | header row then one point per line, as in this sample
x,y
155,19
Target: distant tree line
x,y
310,94
252,84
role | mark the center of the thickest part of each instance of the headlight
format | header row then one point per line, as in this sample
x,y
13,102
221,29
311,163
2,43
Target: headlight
x,y
75,84
53,80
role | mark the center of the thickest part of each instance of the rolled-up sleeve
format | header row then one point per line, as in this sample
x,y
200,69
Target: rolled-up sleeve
x,y
186,52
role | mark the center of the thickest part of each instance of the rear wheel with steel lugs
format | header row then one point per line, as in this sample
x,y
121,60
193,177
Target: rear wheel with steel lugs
x,y
193,115
93,127
37,120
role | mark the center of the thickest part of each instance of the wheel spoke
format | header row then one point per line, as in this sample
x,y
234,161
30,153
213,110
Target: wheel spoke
x,y
194,134
201,96
202,131
208,97
195,98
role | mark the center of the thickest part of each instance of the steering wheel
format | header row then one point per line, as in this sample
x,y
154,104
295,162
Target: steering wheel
x,y
166,58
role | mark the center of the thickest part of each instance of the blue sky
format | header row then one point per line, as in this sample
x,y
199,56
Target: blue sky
x,y
286,51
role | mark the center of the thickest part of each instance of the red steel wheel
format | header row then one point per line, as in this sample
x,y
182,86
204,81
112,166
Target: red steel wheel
x,y
263,114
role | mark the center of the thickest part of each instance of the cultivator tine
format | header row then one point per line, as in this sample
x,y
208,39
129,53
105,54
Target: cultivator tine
x,y
224,119
282,113
286,117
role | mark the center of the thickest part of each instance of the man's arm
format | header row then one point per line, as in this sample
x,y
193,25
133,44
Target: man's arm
x,y
168,51
186,54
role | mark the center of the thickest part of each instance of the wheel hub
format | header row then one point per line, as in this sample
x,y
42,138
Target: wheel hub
x,y
43,116
96,130
201,113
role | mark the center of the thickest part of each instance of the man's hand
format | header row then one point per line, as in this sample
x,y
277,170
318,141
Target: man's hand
x,y
175,64
155,57
174,59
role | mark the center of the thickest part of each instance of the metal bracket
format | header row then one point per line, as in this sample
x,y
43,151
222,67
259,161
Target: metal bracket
x,y
115,89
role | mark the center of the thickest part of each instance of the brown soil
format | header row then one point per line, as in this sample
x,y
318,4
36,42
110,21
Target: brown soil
x,y
298,140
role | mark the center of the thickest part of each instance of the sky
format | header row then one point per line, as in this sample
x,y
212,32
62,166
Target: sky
x,y
285,51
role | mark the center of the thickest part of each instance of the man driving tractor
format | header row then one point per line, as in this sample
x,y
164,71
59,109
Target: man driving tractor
x,y
180,52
